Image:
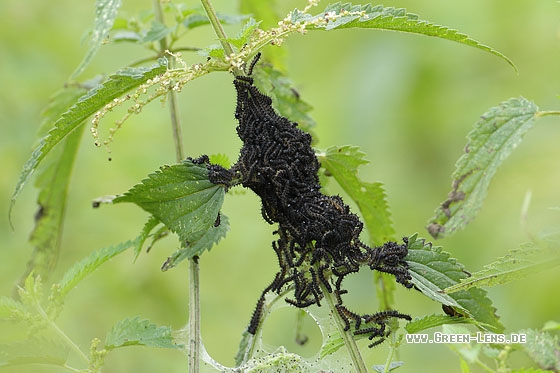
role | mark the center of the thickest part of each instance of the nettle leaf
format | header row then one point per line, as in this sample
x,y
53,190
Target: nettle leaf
x,y
431,321
115,86
346,15
433,269
516,265
52,182
34,350
342,163
157,32
105,14
245,34
285,99
493,138
11,309
543,348
137,332
198,17
182,197
89,264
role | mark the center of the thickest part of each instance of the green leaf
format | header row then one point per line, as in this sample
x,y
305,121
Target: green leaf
x,y
346,15
245,34
285,99
89,264
342,163
53,184
198,245
156,32
137,332
34,350
516,265
182,197
11,309
144,234
117,85
491,141
105,13
198,18
543,348
431,321
433,269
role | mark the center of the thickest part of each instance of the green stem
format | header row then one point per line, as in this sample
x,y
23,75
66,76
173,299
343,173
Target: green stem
x,y
545,113
61,333
346,335
219,31
194,276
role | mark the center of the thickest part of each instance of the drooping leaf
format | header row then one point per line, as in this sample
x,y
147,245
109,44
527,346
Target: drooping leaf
x,y
117,85
182,197
491,141
346,15
84,267
105,13
145,233
52,182
514,266
134,331
433,269
196,247
342,163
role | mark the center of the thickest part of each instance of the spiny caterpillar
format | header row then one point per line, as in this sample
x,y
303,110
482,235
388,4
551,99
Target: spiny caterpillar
x,y
318,237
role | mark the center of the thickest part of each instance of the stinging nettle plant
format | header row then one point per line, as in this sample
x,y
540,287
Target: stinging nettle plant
x,y
186,199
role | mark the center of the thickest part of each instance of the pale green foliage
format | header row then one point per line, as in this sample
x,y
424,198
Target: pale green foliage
x,y
53,181
105,13
134,331
514,266
491,141
89,264
543,348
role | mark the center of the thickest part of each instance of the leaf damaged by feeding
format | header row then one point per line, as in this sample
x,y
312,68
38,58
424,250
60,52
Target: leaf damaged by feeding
x,y
492,140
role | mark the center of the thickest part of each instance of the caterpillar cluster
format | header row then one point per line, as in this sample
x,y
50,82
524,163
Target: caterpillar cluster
x,y
318,241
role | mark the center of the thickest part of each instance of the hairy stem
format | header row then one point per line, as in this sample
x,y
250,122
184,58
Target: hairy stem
x,y
194,276
346,335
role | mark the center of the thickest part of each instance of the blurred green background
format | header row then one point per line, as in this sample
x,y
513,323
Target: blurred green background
x,y
408,101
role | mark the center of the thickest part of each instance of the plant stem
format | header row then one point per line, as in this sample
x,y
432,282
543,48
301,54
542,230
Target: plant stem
x,y
346,335
219,30
194,276
545,113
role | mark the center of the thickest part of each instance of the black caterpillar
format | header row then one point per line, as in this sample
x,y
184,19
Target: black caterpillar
x,y
318,235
